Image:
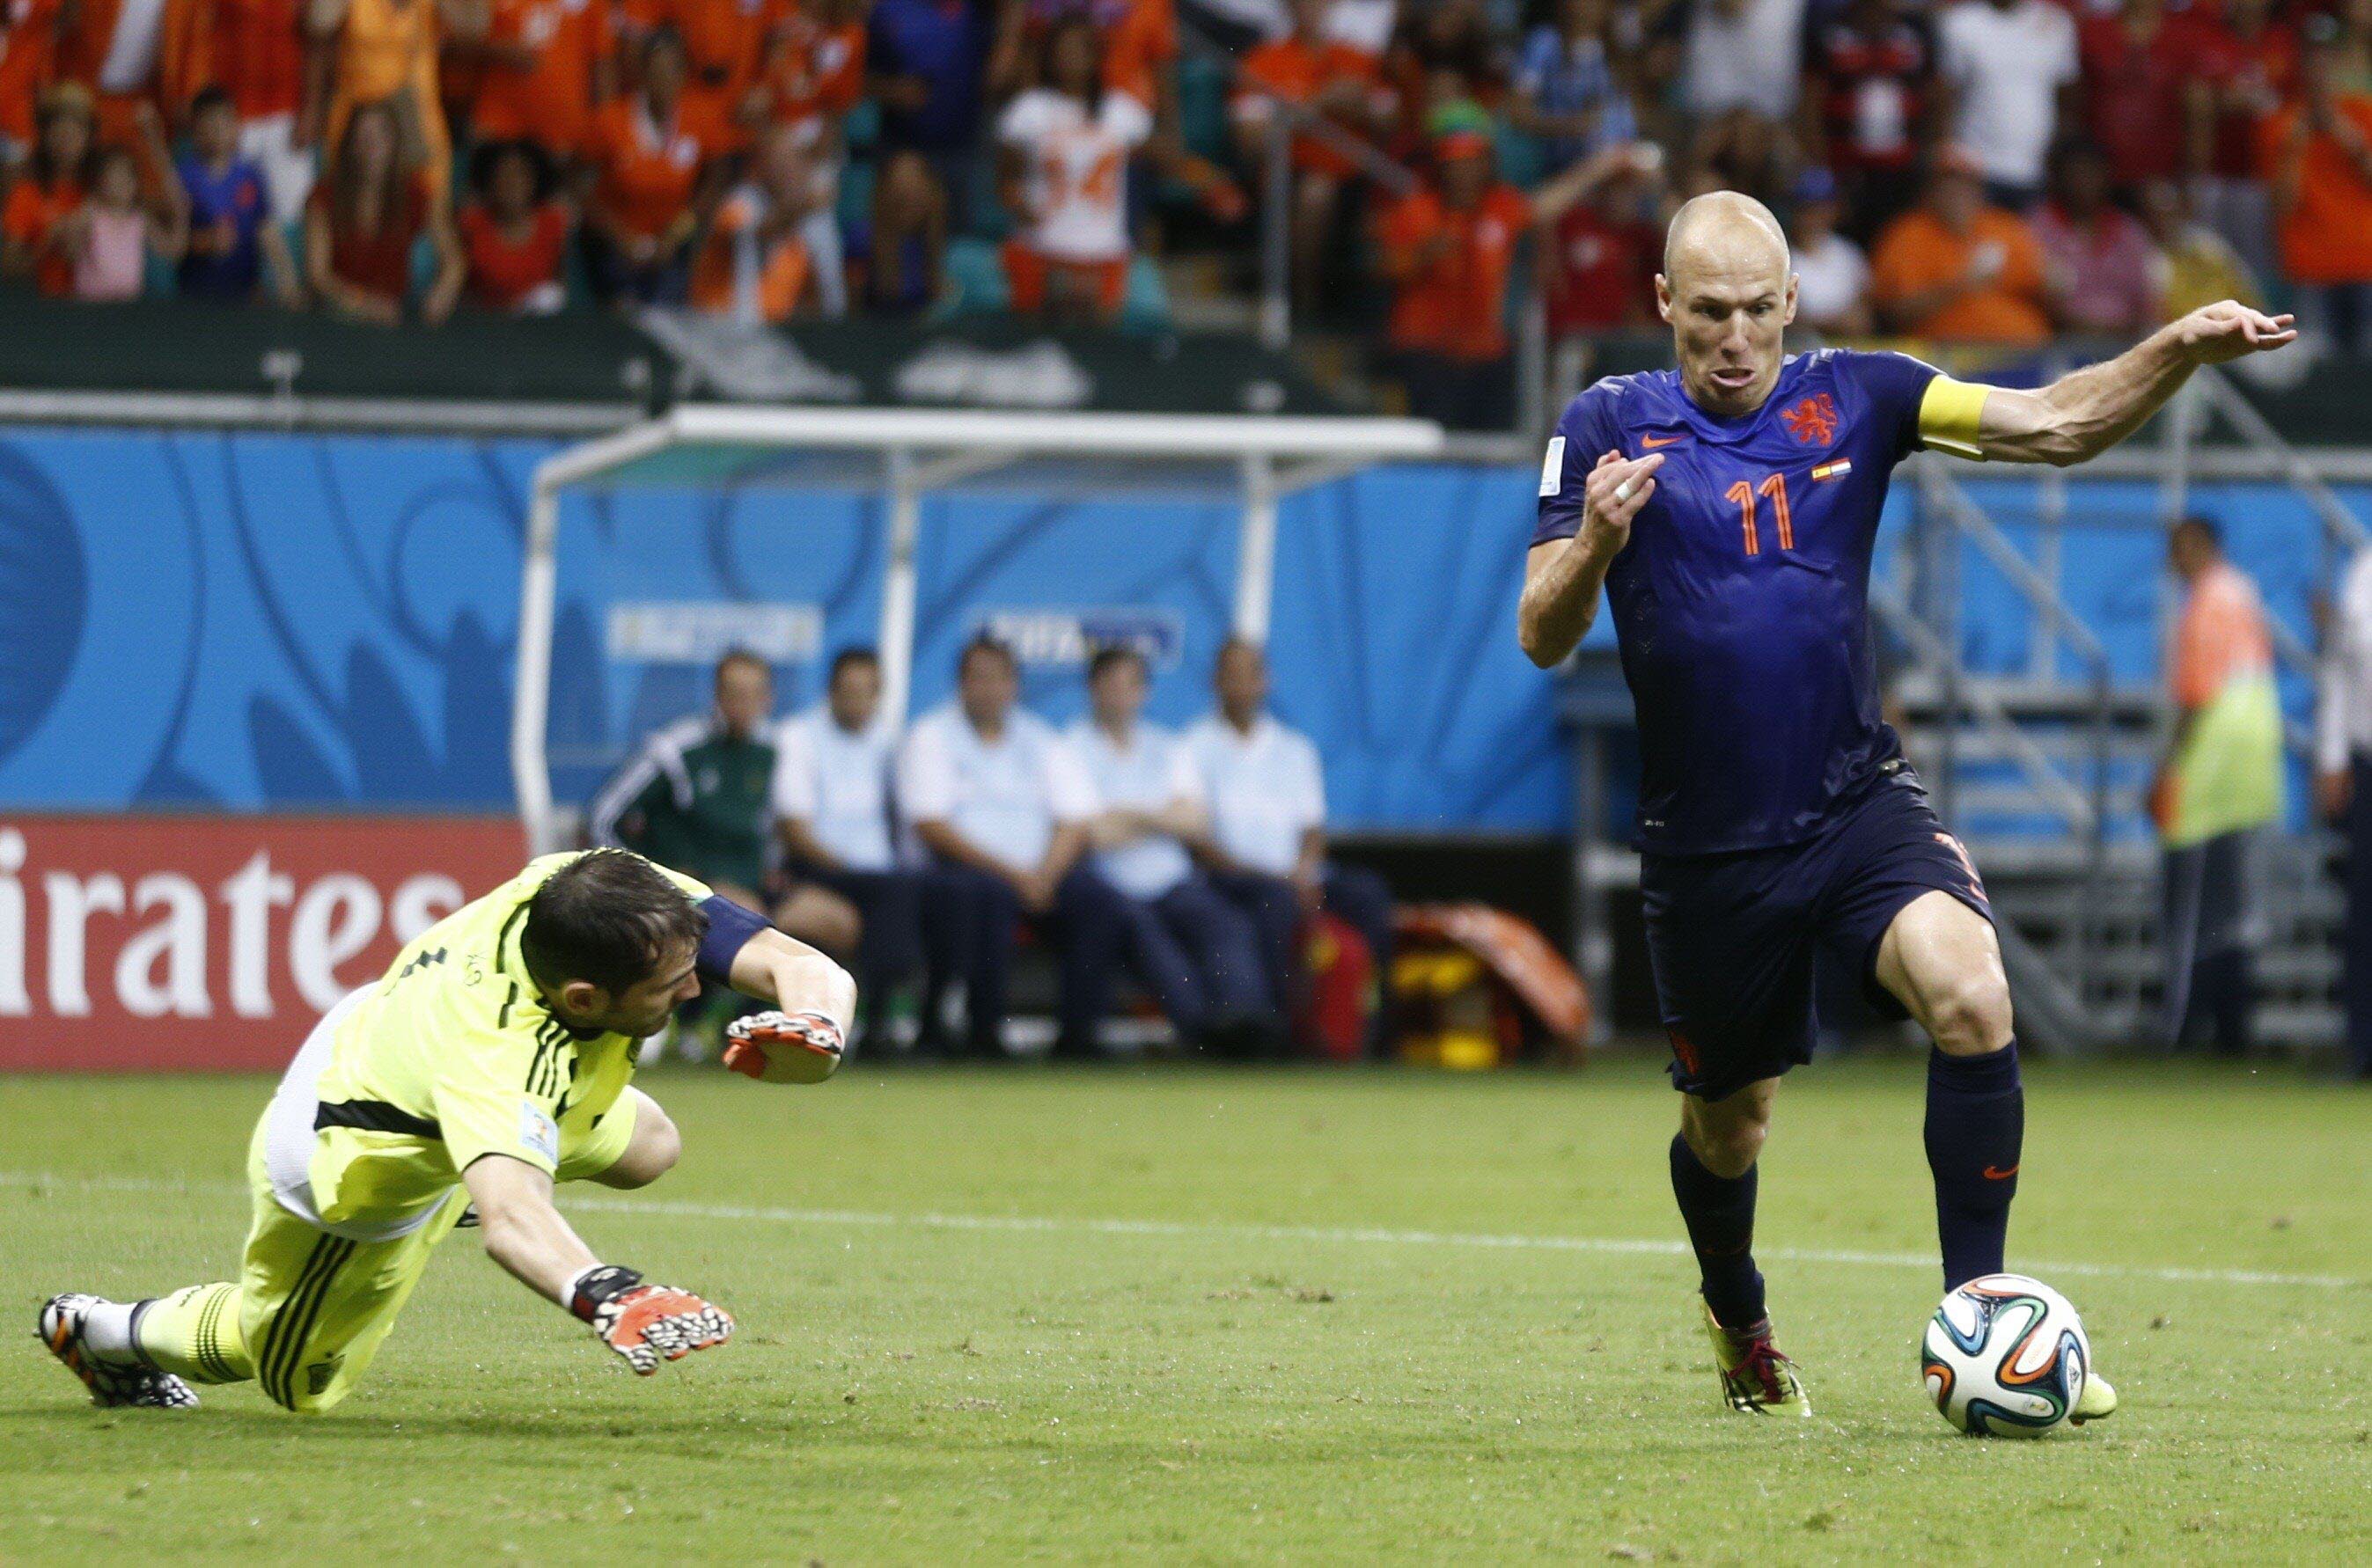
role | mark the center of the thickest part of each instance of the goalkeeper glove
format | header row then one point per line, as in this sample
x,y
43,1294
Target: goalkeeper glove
x,y
784,1048
645,1322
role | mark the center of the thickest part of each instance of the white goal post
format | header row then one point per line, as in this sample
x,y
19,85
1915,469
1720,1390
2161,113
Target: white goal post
x,y
907,454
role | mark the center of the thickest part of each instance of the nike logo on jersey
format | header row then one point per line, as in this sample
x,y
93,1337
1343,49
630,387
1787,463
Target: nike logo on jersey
x,y
1652,442
1993,1173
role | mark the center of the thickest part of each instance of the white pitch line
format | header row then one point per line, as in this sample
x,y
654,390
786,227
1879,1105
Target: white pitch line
x,y
1327,1235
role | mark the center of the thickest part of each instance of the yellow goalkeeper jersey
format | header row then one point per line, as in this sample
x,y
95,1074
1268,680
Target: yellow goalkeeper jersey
x,y
454,1055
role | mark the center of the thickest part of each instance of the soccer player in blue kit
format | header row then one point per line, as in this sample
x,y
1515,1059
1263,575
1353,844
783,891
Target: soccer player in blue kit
x,y
1729,510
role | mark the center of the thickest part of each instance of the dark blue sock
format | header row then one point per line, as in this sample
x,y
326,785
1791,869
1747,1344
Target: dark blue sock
x,y
1976,1122
1719,1212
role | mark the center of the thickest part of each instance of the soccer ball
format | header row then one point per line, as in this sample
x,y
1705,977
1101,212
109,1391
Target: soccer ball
x,y
2005,1356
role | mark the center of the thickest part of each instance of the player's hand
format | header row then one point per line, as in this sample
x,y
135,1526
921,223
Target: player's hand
x,y
2226,329
784,1048
647,1323
1612,496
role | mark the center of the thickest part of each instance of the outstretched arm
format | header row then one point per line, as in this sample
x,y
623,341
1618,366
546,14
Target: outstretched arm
x,y
523,1232
2087,412
521,1229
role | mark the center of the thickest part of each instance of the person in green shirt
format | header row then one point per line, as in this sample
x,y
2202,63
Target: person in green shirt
x,y
698,798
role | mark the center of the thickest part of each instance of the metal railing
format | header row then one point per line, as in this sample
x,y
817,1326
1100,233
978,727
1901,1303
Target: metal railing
x,y
1947,516
1286,122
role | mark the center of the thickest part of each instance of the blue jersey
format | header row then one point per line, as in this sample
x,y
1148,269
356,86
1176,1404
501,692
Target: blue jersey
x,y
1742,603
237,193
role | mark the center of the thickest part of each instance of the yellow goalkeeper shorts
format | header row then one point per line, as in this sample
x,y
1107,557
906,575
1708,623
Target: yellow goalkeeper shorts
x,y
314,1308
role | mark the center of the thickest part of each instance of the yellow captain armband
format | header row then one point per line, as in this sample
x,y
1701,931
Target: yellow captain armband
x,y
1948,414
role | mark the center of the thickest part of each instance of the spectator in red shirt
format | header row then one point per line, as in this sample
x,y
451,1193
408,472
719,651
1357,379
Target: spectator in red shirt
x,y
1446,250
815,70
724,44
2247,59
542,67
28,46
2099,266
32,233
1310,71
364,219
1599,245
655,166
814,75
2145,102
1868,102
2318,152
1598,257
514,235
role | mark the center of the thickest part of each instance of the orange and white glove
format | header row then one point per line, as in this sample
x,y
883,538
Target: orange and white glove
x,y
646,1323
784,1048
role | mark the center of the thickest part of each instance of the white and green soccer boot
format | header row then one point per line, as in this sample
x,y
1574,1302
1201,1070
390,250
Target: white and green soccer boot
x,y
1755,1378
111,1384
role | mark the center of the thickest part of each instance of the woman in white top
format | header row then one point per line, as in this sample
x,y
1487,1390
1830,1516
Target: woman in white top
x,y
1064,148
1831,273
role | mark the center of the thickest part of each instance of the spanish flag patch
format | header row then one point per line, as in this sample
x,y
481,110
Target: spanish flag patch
x,y
1837,469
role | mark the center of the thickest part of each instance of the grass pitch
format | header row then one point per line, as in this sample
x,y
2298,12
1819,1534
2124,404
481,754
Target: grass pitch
x,y
1208,1316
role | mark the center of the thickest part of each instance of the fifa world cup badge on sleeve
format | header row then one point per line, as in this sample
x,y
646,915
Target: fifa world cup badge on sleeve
x,y
1553,467
538,1134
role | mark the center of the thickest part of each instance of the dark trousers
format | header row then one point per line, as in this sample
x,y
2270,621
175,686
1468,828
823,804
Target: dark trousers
x,y
615,277
891,902
1200,955
2355,959
1353,894
970,922
2210,976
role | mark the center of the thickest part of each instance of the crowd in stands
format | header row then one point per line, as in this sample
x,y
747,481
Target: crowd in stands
x,y
1989,170
1193,862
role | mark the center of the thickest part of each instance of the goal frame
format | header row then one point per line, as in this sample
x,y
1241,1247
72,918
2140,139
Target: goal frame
x,y
923,452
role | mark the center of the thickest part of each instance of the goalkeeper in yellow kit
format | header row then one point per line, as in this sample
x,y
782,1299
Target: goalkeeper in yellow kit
x,y
490,1062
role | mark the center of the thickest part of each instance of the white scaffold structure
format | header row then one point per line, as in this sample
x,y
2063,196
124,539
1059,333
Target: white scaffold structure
x,y
907,454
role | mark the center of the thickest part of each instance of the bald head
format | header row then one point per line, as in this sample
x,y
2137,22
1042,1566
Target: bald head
x,y
1729,295
1726,228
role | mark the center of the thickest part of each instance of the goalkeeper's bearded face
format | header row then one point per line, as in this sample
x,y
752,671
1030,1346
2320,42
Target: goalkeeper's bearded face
x,y
643,1007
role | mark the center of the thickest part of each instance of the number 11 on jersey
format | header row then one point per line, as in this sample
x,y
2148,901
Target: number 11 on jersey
x,y
1775,487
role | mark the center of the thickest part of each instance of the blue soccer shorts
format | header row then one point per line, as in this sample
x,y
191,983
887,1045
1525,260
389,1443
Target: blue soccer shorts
x,y
1733,938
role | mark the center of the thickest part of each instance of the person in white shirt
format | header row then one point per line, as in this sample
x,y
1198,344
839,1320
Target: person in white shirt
x,y
2007,66
1065,148
1831,273
1001,807
1063,151
1195,951
2342,755
1266,852
830,788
